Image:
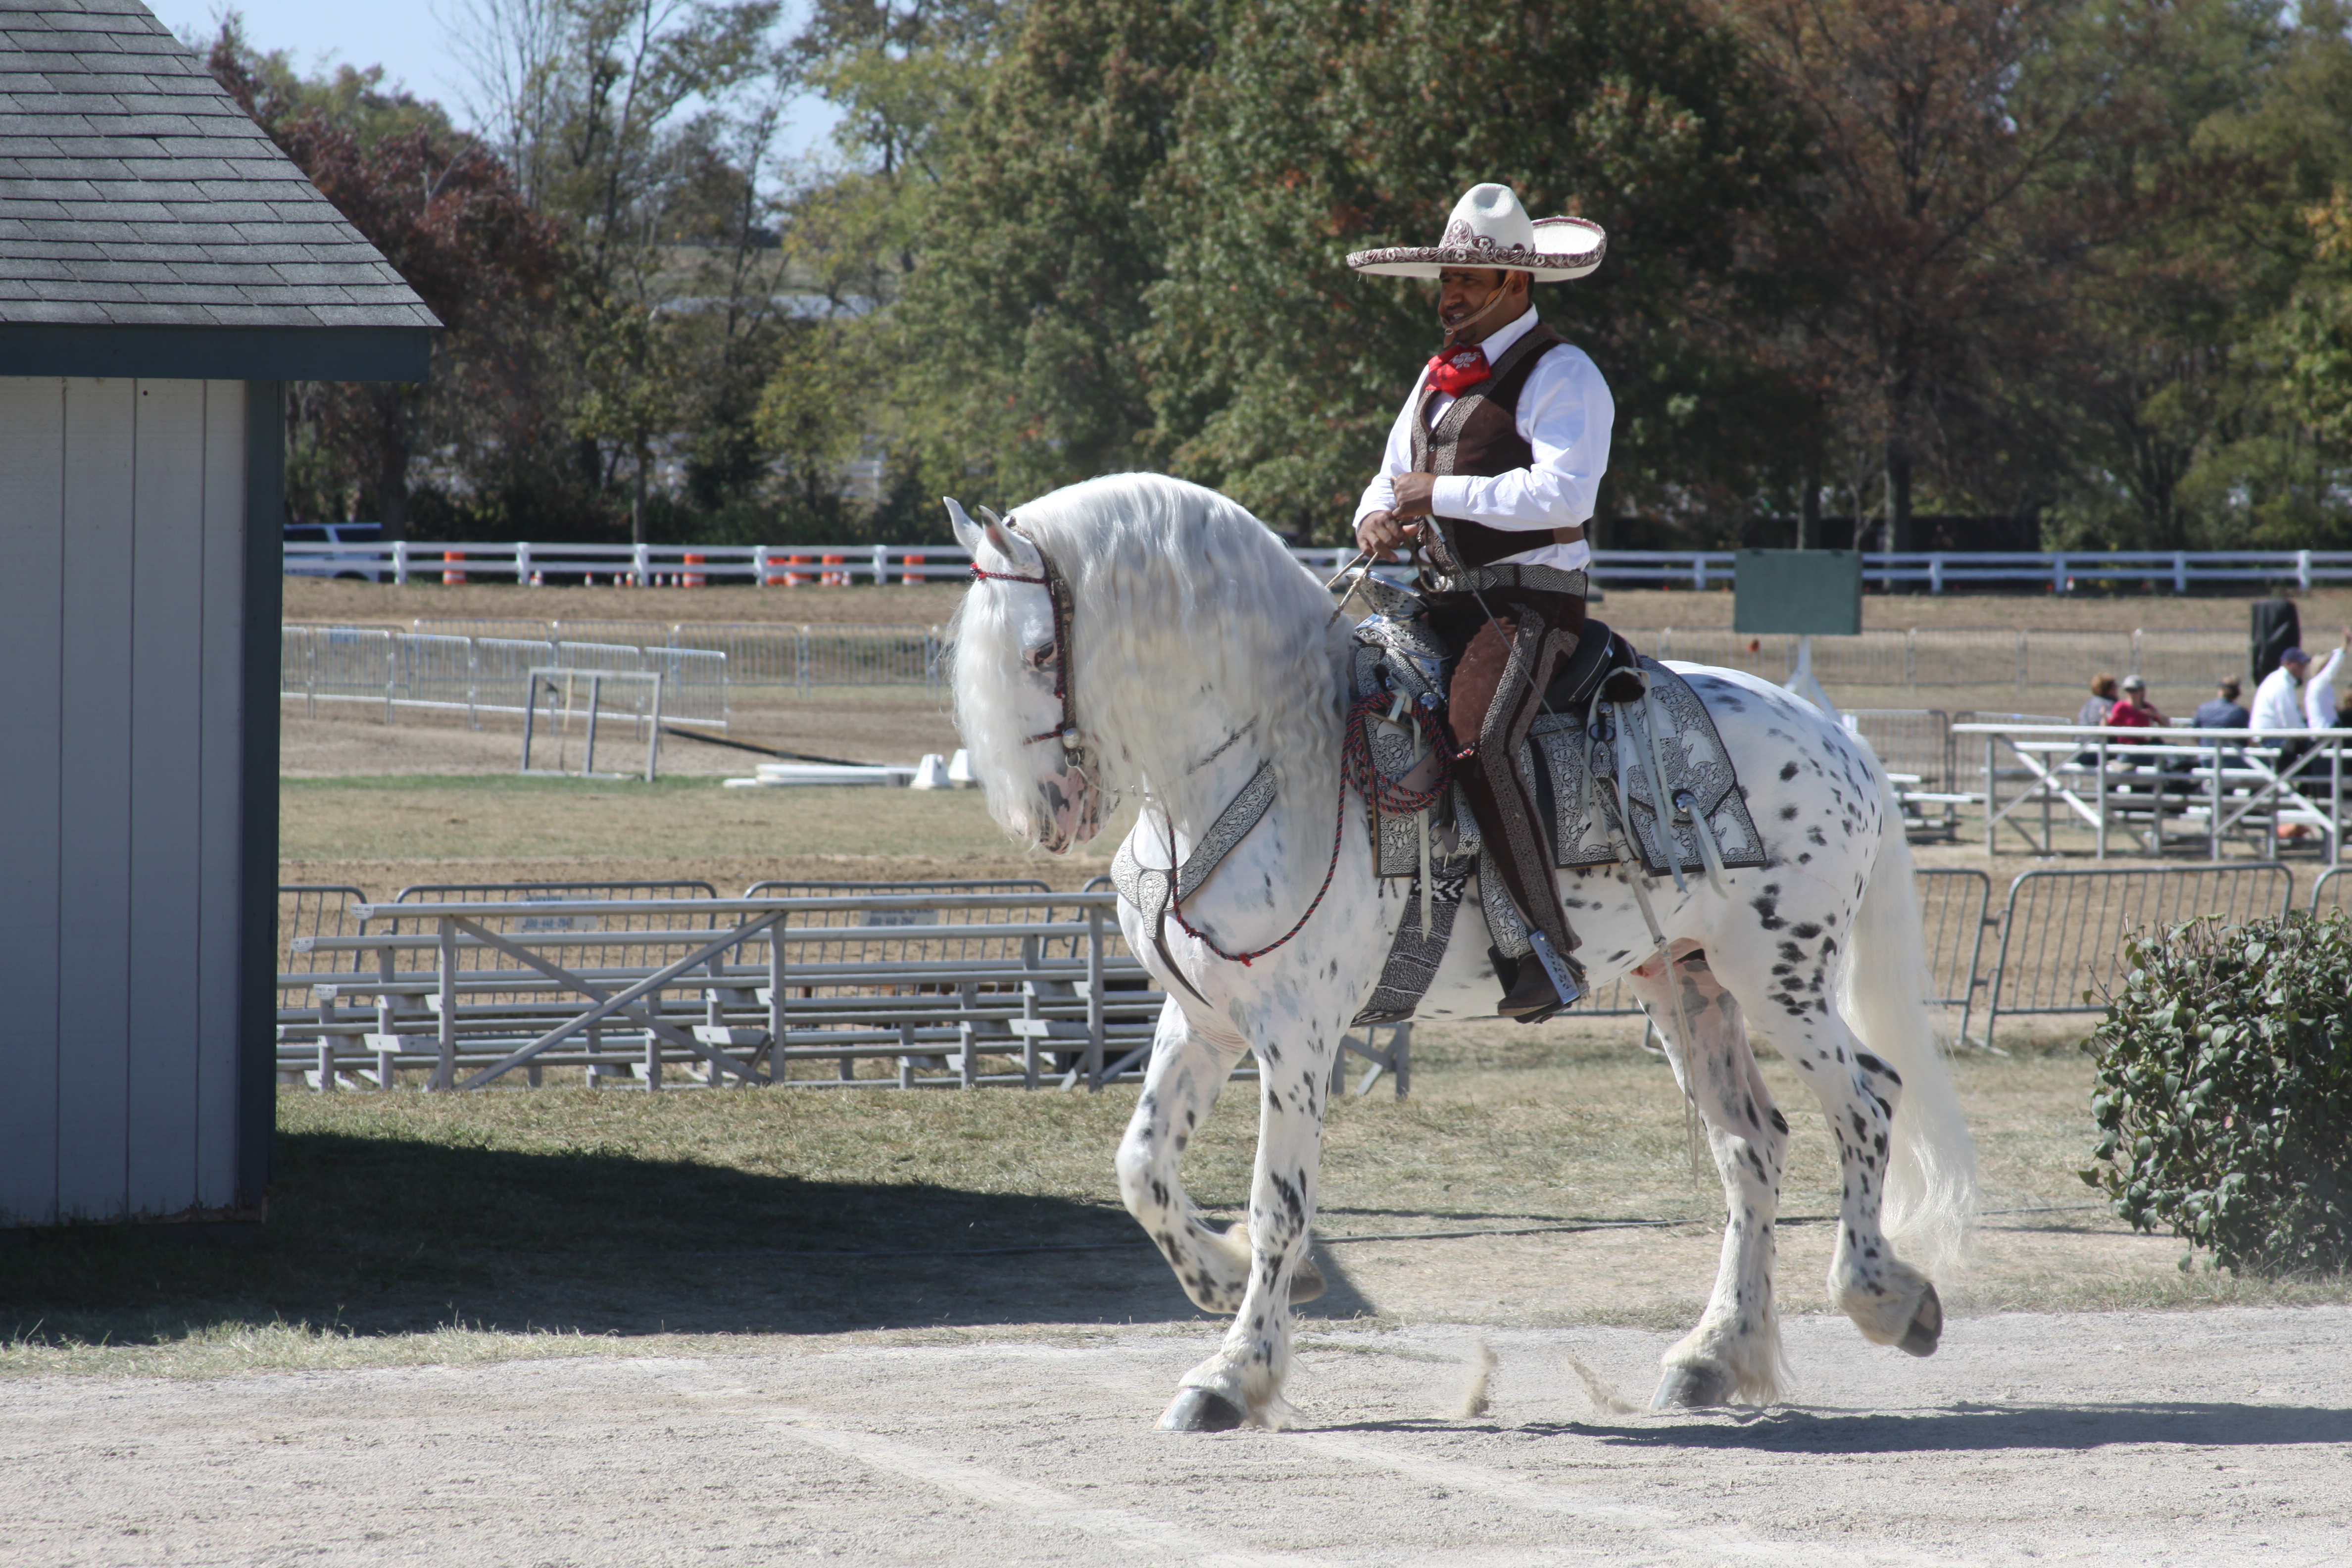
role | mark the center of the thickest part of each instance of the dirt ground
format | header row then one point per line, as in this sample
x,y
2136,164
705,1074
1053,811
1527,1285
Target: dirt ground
x,y
2146,1439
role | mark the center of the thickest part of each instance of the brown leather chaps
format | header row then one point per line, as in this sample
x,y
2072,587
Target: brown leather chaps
x,y
1495,695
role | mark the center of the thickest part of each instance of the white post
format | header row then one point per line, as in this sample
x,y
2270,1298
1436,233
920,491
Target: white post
x,y
2303,570
644,559
881,564
400,563
1936,572
2058,573
1698,572
759,565
523,562
2180,571
1802,682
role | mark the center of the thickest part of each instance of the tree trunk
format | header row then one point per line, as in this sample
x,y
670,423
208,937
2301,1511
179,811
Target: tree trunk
x,y
392,463
1898,494
1809,508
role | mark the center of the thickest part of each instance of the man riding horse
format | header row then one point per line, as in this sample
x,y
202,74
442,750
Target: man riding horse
x,y
1490,474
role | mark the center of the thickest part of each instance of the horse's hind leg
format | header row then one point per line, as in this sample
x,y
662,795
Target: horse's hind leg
x,y
1189,1066
1891,1302
1734,1351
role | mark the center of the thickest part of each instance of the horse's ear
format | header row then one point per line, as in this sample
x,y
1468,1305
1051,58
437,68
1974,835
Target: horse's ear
x,y
967,531
999,534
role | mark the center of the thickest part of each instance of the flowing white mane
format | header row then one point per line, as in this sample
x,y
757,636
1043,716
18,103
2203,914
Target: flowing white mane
x,y
1182,601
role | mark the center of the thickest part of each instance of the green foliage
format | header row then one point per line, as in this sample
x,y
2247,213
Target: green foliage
x,y
1275,372
2223,1093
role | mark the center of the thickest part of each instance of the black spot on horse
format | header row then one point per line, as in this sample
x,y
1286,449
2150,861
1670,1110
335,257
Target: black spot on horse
x,y
1788,772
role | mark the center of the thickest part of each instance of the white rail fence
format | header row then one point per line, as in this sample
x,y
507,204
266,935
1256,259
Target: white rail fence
x,y
696,566
477,675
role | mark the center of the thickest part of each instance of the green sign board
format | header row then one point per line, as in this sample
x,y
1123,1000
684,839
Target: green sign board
x,y
1807,593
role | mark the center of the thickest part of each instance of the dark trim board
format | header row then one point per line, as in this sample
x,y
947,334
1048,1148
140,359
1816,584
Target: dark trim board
x,y
217,353
257,1008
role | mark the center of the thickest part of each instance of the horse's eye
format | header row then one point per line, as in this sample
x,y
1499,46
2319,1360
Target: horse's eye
x,y
1041,657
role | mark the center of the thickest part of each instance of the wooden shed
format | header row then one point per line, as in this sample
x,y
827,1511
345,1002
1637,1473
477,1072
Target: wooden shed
x,y
164,270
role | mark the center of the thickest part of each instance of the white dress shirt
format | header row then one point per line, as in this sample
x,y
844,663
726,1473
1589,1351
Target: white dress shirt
x,y
2278,702
2319,694
1564,415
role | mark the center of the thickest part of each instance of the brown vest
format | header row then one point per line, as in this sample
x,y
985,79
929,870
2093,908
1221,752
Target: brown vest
x,y
1479,437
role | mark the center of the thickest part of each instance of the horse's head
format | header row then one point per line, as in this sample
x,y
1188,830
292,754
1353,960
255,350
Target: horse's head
x,y
1011,663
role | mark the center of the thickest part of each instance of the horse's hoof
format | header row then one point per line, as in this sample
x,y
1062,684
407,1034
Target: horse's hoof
x,y
1692,1388
1200,1410
1927,1328
1305,1281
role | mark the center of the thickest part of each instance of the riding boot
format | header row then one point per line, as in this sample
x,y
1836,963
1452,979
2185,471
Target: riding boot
x,y
1497,694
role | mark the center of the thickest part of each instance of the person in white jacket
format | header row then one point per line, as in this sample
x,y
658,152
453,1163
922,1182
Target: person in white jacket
x,y
2319,689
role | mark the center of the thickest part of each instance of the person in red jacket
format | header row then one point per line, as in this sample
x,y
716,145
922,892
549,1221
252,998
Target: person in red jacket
x,y
2132,710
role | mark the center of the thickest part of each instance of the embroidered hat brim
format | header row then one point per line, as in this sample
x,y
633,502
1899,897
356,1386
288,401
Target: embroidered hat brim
x,y
1564,248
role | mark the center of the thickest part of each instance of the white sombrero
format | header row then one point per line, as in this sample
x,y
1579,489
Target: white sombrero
x,y
1490,228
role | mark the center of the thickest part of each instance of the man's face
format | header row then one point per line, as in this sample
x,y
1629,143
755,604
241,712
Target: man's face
x,y
2298,667
1464,291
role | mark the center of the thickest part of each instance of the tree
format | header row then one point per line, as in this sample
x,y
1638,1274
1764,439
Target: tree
x,y
448,216
1018,341
1945,208
1275,373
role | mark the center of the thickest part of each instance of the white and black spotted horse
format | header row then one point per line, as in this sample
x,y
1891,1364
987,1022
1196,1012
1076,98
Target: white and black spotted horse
x,y
1137,633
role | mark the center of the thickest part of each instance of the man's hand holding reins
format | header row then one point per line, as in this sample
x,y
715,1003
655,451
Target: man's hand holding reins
x,y
1387,532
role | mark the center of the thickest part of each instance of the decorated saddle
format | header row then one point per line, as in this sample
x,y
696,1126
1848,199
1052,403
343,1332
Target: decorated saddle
x,y
1626,763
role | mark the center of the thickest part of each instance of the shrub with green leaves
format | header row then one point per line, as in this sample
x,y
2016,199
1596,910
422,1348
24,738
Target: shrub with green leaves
x,y
2224,1091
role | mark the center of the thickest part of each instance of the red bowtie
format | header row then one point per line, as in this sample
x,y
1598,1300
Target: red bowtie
x,y
1456,371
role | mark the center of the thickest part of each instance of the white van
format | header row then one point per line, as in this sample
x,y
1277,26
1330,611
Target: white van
x,y
359,565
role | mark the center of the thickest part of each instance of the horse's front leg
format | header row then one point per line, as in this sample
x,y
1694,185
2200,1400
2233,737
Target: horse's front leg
x,y
1734,1351
1241,1383
1189,1063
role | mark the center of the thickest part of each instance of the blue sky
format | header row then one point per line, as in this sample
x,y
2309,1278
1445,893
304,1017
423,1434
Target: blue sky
x,y
401,36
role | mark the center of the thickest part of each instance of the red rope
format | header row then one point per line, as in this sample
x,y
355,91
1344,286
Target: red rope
x,y
1381,794
1339,834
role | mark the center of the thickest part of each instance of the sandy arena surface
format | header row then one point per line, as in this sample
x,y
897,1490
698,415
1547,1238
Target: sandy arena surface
x,y
2112,1437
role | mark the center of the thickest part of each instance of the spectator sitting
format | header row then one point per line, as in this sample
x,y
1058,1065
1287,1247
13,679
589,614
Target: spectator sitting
x,y
2133,710
2224,712
2101,702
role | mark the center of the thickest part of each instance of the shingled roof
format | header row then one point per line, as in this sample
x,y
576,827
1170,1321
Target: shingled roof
x,y
149,226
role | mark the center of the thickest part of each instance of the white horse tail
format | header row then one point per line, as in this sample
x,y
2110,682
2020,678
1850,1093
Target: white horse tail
x,y
1931,1178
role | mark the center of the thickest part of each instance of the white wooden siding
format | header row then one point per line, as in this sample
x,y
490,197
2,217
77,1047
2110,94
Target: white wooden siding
x,y
123,513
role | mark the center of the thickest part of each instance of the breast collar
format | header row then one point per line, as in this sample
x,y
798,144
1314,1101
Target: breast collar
x,y
1057,592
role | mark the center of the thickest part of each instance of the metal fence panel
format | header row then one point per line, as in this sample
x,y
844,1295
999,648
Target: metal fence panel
x,y
502,667
693,684
626,657
2333,891
312,908
1966,655
2062,932
2192,660
434,672
350,664
2067,660
1914,740
758,654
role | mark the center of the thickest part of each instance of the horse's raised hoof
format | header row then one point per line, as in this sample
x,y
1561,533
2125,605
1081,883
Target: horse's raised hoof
x,y
1926,1329
1692,1388
1305,1281
1200,1410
